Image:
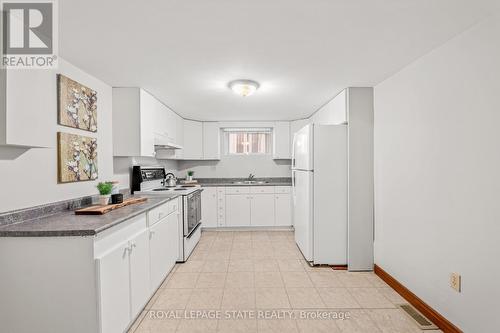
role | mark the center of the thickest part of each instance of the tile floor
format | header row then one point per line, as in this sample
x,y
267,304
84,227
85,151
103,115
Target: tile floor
x,y
248,278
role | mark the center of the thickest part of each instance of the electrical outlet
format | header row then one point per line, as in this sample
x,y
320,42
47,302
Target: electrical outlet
x,y
455,281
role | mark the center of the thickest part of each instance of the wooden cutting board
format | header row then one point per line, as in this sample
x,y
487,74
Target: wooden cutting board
x,y
100,210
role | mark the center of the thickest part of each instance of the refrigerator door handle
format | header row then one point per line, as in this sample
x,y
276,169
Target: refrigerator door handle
x,y
293,150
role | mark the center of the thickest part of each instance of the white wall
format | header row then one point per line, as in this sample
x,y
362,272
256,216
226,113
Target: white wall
x,y
437,176
123,167
332,113
31,178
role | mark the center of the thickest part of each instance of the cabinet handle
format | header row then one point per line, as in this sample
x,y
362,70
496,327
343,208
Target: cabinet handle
x,y
132,245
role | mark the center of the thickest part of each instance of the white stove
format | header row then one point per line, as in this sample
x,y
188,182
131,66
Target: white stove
x,y
149,181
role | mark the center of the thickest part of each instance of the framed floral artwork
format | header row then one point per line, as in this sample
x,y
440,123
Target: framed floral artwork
x,y
77,158
76,105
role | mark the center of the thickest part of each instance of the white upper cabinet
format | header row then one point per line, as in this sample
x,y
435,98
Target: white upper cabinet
x,y
138,117
25,98
193,140
295,126
281,140
211,141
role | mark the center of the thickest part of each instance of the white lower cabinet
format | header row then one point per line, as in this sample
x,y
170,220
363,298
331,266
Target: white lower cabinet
x,y
262,210
283,209
245,206
163,245
139,273
209,207
238,210
114,289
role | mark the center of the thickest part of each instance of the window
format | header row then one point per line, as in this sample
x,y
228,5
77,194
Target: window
x,y
247,141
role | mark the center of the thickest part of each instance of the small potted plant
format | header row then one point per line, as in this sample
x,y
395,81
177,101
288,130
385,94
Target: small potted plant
x,y
190,175
105,189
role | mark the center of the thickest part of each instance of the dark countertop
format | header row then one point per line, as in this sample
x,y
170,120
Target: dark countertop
x,y
69,224
211,182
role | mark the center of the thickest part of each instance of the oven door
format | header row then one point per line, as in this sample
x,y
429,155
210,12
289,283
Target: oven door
x,y
192,213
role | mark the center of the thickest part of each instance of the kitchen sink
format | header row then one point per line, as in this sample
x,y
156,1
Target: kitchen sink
x,y
250,182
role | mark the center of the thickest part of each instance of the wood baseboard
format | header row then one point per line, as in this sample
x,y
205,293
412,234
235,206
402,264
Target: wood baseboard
x,y
444,324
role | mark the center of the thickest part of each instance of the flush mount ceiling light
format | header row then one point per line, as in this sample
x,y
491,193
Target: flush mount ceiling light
x,y
243,87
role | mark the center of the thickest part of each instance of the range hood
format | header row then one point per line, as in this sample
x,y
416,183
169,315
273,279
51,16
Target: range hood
x,y
161,141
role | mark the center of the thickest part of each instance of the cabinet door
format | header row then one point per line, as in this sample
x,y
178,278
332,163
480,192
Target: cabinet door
x,y
193,140
209,207
179,133
211,141
262,209
158,250
282,140
114,289
173,240
283,208
237,210
148,125
139,272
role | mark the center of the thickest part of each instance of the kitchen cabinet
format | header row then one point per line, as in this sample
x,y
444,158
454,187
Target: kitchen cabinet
x,y
114,289
238,210
139,272
164,245
193,140
179,134
95,283
262,210
211,141
245,206
209,207
138,117
281,140
27,119
283,209
295,126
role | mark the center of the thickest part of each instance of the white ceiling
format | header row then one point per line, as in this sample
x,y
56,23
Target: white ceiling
x,y
302,52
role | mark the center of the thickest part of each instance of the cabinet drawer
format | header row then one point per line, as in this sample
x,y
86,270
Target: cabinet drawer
x,y
262,189
237,190
157,213
221,190
283,189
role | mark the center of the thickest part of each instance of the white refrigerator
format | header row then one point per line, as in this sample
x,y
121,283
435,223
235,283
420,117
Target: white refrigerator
x,y
319,191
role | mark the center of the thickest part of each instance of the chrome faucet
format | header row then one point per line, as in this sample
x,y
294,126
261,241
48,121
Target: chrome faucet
x,y
251,177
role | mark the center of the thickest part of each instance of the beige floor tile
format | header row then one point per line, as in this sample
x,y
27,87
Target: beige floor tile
x,y
237,326
296,279
197,326
375,280
338,298
191,266
164,325
240,280
242,245
358,322
182,280
271,298
354,280
290,265
211,280
241,265
215,266
238,299
266,265
317,326
370,298
202,299
169,299
304,298
260,253
268,280
392,296
239,255
218,255
324,279
277,326
393,321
